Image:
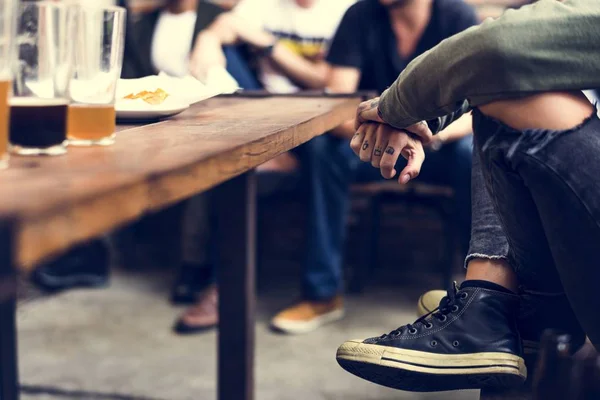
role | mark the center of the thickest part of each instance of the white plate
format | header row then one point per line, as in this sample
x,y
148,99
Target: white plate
x,y
182,92
137,111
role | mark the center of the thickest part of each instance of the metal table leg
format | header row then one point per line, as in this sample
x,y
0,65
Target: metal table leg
x,y
235,204
9,386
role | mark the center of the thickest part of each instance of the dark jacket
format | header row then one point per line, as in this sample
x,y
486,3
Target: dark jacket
x,y
137,61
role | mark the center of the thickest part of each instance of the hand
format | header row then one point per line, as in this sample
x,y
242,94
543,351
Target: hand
x,y
381,145
207,53
369,111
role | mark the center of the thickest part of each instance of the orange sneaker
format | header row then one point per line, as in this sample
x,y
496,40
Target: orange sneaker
x,y
307,316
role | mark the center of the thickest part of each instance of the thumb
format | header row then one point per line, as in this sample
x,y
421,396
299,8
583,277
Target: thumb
x,y
422,131
413,167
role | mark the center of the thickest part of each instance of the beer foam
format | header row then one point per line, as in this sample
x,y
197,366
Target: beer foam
x,y
36,102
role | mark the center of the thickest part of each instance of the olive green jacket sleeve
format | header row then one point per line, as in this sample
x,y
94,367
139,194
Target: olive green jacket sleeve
x,y
546,46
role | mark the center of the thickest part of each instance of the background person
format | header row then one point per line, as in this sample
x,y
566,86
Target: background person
x,y
402,30
290,42
376,40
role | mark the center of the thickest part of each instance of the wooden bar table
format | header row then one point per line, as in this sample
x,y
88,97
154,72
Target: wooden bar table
x,y
48,205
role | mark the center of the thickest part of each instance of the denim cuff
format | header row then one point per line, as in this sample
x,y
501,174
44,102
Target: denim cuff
x,y
480,256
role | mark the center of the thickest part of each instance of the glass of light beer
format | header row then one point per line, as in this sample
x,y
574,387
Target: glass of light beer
x,y
8,15
99,46
38,106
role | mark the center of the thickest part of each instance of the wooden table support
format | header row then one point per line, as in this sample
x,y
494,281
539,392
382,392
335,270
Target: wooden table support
x,y
9,382
235,203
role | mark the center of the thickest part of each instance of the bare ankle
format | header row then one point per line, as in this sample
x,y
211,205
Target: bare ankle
x,y
495,271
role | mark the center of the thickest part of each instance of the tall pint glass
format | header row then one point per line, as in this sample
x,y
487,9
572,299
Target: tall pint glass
x,y
8,15
99,49
38,107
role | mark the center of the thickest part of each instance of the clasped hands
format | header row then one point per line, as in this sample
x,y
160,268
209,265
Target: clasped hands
x,y
381,144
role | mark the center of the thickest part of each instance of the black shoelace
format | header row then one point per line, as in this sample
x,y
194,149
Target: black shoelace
x,y
447,305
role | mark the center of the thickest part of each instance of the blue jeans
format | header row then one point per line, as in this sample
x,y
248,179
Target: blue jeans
x,y
328,168
544,188
238,67
450,166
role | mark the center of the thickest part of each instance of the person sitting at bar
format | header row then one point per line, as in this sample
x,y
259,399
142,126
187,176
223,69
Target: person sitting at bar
x,y
289,40
373,43
537,146
403,29
162,40
376,40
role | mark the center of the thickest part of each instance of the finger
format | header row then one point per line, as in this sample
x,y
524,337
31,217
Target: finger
x,y
381,142
357,139
396,142
358,121
368,144
422,131
415,157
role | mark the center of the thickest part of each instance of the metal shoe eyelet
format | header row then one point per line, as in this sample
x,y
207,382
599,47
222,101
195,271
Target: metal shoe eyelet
x,y
455,308
412,331
455,343
429,326
444,318
464,295
434,343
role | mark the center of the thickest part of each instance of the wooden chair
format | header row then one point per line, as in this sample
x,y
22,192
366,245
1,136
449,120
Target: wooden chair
x,y
439,199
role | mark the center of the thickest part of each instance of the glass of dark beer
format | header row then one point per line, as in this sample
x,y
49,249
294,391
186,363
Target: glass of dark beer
x,y
38,107
99,46
8,14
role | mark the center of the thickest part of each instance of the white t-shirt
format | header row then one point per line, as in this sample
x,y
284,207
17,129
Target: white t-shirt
x,y
307,31
172,42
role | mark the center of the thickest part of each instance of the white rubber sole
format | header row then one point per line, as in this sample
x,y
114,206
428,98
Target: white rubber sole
x,y
431,362
300,327
420,371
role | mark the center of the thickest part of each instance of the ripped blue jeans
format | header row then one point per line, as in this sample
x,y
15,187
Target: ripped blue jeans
x,y
536,203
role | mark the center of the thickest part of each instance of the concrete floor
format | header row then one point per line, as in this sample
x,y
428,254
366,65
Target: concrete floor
x,y
116,344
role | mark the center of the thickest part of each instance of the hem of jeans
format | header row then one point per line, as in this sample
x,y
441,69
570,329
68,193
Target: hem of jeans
x,y
328,297
481,256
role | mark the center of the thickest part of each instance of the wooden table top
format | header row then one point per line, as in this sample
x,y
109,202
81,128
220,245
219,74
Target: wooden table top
x,y
60,201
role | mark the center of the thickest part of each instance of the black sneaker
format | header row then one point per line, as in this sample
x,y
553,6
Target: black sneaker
x,y
538,311
84,266
470,342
